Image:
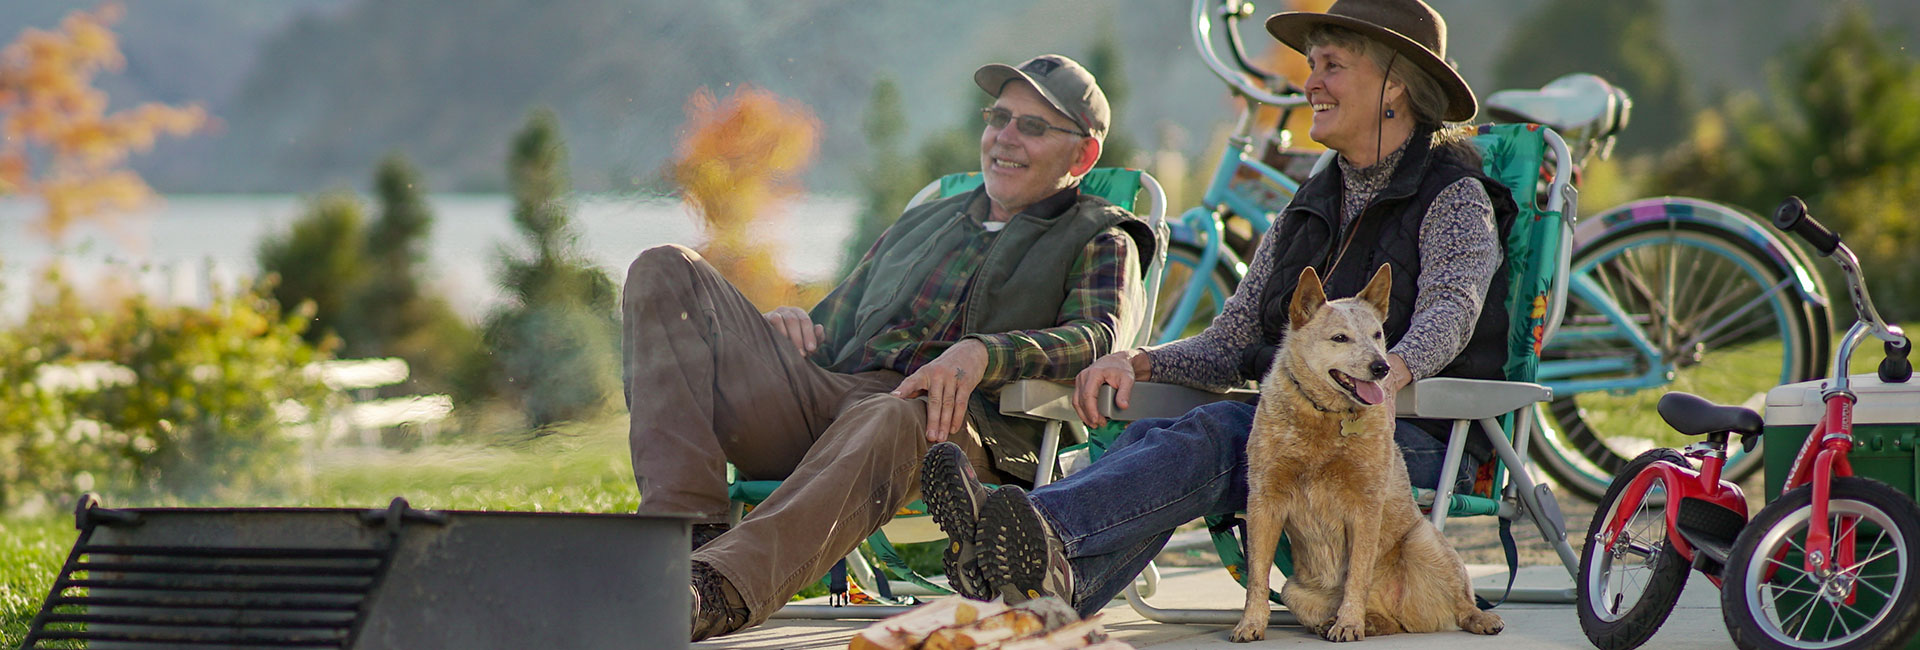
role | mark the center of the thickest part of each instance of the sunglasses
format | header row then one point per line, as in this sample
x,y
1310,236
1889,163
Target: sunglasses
x,y
1029,125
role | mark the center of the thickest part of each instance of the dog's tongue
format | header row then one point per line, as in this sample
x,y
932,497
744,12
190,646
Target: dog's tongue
x,y
1369,392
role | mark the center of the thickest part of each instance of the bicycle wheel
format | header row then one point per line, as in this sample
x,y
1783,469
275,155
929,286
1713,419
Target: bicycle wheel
x,y
1715,317
1770,600
1182,259
1628,588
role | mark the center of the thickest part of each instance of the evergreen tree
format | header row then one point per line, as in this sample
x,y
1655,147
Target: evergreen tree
x,y
1621,40
891,179
555,346
394,316
1104,62
321,260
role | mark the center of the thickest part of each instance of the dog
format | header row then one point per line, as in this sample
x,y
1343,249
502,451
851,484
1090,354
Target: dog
x,y
1322,467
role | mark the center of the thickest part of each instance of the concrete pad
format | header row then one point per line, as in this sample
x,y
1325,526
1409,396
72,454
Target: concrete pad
x,y
1695,623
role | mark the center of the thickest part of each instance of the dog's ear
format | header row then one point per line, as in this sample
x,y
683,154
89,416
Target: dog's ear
x,y
1379,290
1308,296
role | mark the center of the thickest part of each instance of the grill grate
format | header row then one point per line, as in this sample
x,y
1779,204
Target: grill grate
x,y
173,596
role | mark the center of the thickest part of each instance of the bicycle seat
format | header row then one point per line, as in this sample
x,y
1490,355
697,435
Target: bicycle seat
x,y
1695,416
1578,104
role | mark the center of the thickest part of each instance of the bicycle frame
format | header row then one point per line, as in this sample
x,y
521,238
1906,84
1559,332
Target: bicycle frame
x,y
1682,483
1231,192
1242,183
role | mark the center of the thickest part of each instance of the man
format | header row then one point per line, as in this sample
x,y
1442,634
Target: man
x,y
1024,278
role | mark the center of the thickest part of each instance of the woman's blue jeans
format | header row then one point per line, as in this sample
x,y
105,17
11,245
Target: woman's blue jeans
x,y
1116,515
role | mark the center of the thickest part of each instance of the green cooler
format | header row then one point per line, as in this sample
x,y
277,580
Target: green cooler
x,y
1886,430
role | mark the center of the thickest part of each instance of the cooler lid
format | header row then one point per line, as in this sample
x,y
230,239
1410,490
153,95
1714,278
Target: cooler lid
x,y
1880,403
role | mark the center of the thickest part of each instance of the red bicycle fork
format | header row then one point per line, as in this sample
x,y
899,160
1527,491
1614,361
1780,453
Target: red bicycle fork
x,y
1823,551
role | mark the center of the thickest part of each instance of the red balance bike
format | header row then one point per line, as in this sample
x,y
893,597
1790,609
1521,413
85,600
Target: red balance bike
x,y
1831,563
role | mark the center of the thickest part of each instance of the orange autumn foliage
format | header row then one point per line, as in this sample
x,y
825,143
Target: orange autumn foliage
x,y
1282,60
59,142
738,159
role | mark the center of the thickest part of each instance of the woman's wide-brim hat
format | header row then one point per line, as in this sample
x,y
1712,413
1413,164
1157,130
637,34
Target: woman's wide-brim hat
x,y
1409,27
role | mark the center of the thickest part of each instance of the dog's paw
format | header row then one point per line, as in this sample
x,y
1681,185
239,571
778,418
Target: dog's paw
x,y
1483,623
1344,629
1248,630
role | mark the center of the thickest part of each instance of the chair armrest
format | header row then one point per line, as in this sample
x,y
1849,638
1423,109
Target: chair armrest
x,y
1048,400
1442,398
1452,398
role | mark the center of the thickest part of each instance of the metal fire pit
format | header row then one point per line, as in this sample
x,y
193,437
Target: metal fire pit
x,y
348,578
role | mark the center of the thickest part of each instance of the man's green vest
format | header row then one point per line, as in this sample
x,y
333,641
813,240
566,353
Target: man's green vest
x,y
1020,286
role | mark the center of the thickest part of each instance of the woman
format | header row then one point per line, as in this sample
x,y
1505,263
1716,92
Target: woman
x,y
1380,89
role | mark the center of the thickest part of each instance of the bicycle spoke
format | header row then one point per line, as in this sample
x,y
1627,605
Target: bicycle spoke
x,y
1721,342
1708,331
1631,279
1804,615
1702,289
1806,592
1876,556
1876,589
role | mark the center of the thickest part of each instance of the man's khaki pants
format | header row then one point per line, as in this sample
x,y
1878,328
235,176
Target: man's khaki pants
x,y
709,381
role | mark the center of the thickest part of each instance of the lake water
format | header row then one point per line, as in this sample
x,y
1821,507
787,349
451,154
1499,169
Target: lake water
x,y
176,248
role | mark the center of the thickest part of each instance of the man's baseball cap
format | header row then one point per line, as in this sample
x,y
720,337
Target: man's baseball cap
x,y
1062,81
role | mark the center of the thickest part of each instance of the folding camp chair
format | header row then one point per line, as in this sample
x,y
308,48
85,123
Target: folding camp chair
x,y
1122,187
1538,250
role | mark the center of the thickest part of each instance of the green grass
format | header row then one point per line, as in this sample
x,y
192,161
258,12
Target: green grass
x,y
31,553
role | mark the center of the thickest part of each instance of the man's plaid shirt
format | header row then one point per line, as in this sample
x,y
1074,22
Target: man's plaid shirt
x,y
1085,328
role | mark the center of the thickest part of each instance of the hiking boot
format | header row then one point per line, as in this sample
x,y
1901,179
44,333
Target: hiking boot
x,y
717,607
1019,554
953,494
704,533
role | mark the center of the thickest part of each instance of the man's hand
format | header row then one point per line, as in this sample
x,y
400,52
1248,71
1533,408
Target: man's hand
x,y
1118,370
798,326
948,383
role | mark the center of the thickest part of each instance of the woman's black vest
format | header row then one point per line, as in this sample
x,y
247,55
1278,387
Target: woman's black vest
x,y
1387,231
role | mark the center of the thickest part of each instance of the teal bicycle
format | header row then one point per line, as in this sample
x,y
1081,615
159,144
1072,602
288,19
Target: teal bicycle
x,y
1666,293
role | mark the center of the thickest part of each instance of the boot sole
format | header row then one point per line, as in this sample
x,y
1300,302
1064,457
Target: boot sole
x,y
1013,546
944,486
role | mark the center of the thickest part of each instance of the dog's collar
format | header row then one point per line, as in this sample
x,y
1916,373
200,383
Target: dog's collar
x,y
1303,392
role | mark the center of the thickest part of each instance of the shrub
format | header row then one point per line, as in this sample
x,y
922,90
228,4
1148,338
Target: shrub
x,y
188,403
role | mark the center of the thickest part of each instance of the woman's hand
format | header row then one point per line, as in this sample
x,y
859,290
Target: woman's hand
x,y
1118,370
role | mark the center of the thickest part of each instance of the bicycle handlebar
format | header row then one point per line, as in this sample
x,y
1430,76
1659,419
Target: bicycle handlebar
x,y
1792,217
1202,25
1231,12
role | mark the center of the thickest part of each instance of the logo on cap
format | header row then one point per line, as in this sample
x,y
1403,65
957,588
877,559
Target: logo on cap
x,y
1041,66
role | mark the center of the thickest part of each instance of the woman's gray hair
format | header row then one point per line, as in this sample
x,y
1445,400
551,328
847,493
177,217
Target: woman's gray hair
x,y
1424,95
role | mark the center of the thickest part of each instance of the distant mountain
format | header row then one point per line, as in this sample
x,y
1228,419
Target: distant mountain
x,y
310,93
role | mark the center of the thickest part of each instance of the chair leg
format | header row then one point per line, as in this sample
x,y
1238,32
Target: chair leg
x,y
1456,446
1538,503
1049,453
1278,616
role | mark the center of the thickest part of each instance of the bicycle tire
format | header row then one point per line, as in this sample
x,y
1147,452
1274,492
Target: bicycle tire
x,y
1586,437
1887,515
1182,258
1601,573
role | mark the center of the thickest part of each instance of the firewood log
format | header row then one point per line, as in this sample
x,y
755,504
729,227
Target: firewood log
x,y
986,632
909,630
1081,634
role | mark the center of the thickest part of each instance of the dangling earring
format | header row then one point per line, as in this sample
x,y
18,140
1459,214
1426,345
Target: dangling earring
x,y
1389,113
